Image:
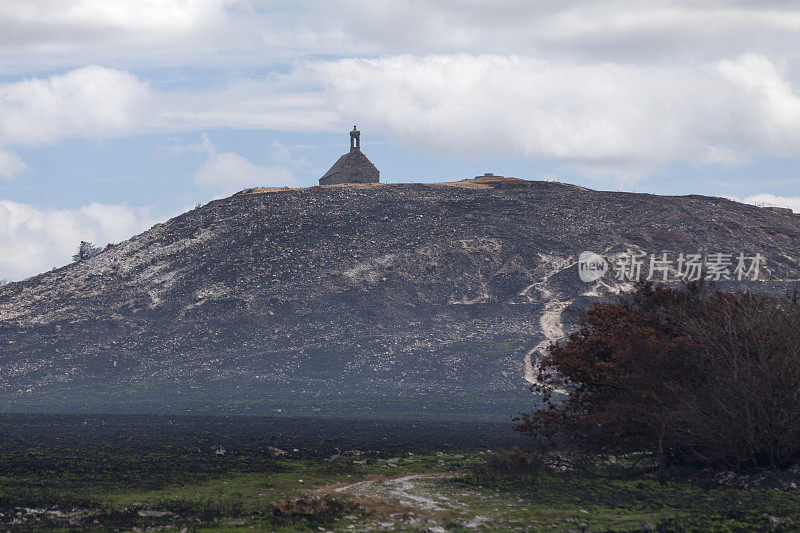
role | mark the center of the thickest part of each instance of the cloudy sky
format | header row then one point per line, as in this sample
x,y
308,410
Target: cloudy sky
x,y
115,114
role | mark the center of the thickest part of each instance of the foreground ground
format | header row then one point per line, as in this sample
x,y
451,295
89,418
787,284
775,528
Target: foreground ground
x,y
184,474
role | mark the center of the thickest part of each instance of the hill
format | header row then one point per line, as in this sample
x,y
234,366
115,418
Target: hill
x,y
409,300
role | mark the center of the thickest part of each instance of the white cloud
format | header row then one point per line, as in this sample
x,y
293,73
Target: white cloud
x,y
619,120
136,33
92,101
229,172
176,147
605,119
33,240
48,34
289,102
765,199
605,30
768,107
10,164
98,102
33,22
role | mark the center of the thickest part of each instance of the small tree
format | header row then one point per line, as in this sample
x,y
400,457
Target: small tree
x,y
85,251
688,375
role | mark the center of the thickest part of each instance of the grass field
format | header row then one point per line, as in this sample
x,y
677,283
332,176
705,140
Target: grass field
x,y
218,474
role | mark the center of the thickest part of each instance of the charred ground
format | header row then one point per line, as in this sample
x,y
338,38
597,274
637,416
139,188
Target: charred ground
x,y
410,299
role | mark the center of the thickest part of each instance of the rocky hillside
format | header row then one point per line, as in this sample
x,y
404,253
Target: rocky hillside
x,y
407,299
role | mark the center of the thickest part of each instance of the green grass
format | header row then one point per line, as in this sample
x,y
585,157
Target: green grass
x,y
171,467
601,503
544,502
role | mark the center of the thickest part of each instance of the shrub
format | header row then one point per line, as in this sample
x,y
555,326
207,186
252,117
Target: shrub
x,y
513,461
85,251
311,510
688,375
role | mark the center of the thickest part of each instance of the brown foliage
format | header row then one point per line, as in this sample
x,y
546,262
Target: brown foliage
x,y
513,461
313,509
689,375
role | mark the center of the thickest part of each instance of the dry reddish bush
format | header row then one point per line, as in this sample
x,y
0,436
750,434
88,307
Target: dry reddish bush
x,y
513,461
690,375
312,508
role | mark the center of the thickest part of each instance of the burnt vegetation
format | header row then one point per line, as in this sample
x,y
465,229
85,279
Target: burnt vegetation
x,y
384,300
688,376
86,250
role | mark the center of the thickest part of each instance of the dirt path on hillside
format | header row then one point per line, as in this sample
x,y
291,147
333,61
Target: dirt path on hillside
x,y
414,491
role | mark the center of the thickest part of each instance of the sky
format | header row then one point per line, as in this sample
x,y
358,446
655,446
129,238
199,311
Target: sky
x,y
118,114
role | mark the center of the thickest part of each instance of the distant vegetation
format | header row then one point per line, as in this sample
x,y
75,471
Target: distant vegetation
x,y
686,376
85,251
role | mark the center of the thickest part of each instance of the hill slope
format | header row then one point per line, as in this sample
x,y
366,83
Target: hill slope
x,y
399,299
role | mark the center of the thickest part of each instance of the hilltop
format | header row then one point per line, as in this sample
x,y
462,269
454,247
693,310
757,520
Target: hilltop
x,y
371,300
